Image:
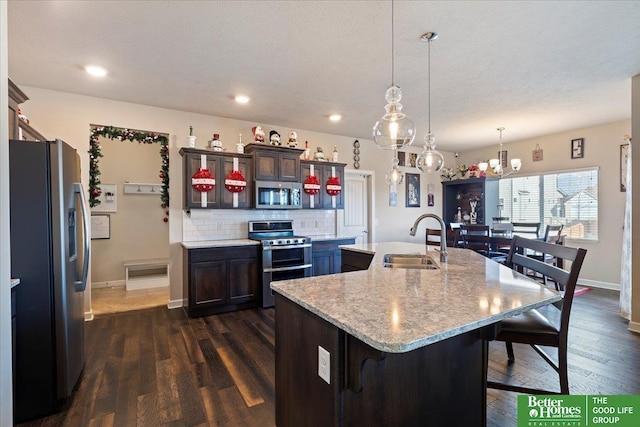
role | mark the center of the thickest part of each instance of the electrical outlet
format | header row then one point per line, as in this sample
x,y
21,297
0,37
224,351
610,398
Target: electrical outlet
x,y
324,364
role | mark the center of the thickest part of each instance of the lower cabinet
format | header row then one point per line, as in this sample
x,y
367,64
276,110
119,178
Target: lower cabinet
x,y
218,280
327,257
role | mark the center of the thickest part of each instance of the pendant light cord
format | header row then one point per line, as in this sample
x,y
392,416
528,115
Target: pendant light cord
x,y
429,83
392,47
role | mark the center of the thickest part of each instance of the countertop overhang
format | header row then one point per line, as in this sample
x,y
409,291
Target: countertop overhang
x,y
397,310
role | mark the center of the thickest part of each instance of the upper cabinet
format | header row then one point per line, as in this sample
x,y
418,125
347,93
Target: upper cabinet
x,y
273,163
20,129
323,171
459,193
219,165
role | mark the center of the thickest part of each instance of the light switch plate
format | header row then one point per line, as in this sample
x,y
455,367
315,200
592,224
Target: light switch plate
x,y
324,364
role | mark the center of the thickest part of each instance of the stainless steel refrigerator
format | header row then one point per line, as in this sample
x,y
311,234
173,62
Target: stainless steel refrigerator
x,y
50,255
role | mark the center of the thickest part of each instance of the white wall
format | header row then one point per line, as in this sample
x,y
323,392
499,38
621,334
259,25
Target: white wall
x,y
602,149
68,116
6,390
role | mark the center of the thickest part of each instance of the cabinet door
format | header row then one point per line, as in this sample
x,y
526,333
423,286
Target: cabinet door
x,y
193,198
326,198
243,280
267,163
289,166
244,197
305,172
322,263
208,285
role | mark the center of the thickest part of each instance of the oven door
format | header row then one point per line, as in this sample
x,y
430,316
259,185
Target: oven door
x,y
283,263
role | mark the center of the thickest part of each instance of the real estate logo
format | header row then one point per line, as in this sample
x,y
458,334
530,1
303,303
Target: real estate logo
x,y
579,411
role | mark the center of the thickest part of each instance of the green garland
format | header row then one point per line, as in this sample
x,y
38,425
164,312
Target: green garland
x,y
95,152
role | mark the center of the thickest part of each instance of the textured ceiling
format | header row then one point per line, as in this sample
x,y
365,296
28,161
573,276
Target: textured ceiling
x,y
534,67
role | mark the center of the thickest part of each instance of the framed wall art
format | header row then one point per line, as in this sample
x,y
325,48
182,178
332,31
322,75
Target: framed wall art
x,y
100,227
412,190
624,163
577,148
108,198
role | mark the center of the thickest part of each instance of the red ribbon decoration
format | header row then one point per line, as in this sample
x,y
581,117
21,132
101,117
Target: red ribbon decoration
x,y
311,185
235,182
333,186
203,181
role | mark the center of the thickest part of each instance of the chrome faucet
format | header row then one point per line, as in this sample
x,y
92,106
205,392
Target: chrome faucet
x,y
443,233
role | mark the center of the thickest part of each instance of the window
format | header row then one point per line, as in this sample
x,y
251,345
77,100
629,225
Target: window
x,y
567,198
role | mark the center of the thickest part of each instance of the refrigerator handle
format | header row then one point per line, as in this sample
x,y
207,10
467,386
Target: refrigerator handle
x,y
81,284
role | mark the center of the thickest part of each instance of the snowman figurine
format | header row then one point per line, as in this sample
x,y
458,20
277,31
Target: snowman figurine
x,y
274,138
293,139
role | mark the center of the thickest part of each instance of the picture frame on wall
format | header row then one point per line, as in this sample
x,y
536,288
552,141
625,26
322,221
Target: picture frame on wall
x,y
577,148
624,163
401,158
412,190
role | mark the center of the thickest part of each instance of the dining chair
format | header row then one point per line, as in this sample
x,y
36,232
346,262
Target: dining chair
x,y
477,238
549,325
526,229
433,237
552,234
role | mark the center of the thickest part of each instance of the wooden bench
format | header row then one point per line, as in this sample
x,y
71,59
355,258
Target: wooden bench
x,y
146,273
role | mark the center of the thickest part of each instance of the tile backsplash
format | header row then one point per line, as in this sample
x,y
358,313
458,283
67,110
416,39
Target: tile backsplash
x,y
225,224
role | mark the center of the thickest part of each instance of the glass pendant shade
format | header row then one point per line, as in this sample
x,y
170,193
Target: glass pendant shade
x,y
430,160
394,130
394,176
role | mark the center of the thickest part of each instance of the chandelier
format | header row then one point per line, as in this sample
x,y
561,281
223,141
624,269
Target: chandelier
x,y
498,165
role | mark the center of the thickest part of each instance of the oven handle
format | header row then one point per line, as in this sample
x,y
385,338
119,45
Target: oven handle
x,y
295,267
277,248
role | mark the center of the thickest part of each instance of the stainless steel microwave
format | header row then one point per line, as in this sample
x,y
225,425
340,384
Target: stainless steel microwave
x,y
278,195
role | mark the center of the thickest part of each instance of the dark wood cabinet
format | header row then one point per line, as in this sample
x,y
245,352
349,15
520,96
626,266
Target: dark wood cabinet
x,y
19,129
220,164
322,170
459,193
327,256
218,280
355,261
273,163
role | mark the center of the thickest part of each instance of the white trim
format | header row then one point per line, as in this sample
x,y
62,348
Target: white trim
x,y
108,284
176,303
634,327
599,284
519,175
88,316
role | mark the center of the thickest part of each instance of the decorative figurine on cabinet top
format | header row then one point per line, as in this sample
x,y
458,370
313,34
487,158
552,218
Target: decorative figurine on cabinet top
x,y
258,134
215,144
274,138
293,139
319,155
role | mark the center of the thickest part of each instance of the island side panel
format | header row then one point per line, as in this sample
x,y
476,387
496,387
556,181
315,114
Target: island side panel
x,y
440,384
302,397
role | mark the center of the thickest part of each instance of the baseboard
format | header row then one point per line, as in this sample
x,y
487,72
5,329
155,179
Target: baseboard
x,y
598,284
108,284
88,316
176,303
634,327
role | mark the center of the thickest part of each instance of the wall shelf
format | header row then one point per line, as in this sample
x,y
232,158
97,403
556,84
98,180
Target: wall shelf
x,y
142,188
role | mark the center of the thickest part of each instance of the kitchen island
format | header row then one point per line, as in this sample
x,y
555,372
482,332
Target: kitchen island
x,y
405,346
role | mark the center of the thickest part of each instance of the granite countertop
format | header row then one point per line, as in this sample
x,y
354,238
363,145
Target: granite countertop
x,y
397,310
327,237
218,243
15,282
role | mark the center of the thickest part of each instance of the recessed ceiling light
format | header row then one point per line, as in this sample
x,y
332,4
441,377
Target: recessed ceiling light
x,y
96,71
335,117
242,99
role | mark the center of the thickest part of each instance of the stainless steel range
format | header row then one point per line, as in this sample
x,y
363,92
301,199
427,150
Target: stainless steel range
x,y
284,256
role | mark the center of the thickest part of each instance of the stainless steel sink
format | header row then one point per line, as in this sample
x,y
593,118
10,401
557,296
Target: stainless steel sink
x,y
409,261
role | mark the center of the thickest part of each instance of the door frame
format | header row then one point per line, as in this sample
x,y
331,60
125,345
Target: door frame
x,y
370,178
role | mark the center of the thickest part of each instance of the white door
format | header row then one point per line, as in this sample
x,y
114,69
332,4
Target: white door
x,y
354,220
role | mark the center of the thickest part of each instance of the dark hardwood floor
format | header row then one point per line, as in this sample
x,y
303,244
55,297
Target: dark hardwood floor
x,y
156,367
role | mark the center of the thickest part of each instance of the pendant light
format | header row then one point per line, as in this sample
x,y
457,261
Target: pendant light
x,y
497,164
395,129
394,176
430,160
